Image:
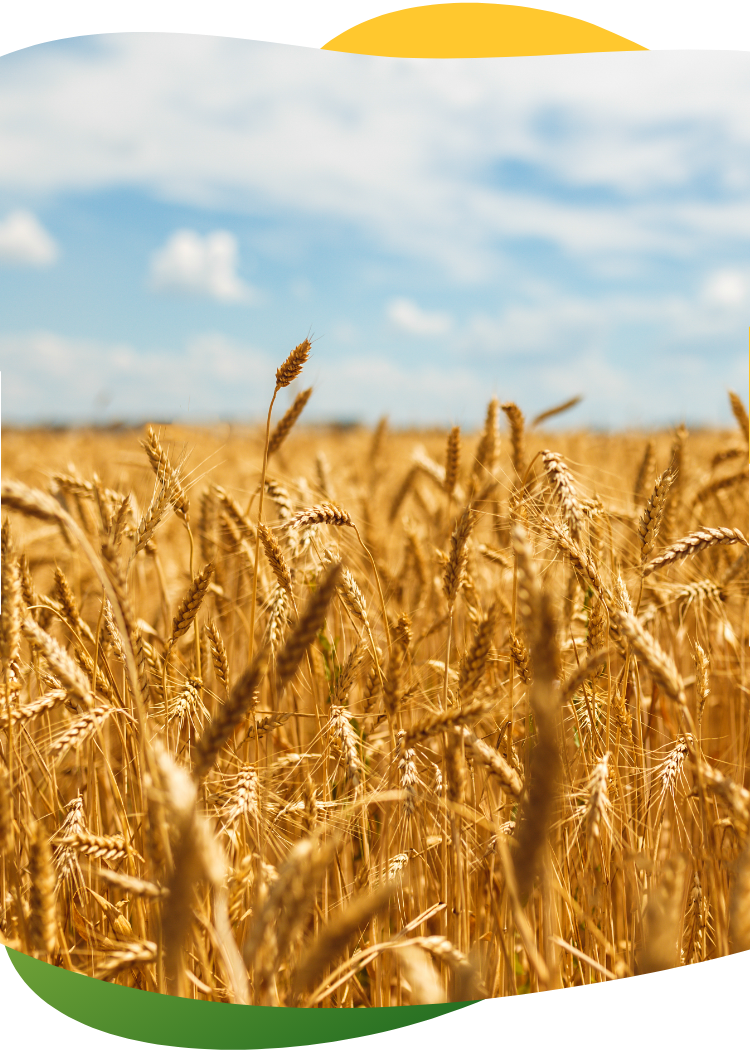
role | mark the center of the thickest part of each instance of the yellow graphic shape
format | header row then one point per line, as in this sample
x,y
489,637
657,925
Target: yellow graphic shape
x,y
476,31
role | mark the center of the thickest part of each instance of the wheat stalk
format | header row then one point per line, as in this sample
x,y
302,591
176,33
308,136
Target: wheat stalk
x,y
695,542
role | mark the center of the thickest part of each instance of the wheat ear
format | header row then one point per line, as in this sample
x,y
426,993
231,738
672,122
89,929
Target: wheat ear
x,y
285,374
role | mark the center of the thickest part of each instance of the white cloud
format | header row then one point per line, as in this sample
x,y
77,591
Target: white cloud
x,y
404,151
605,168
409,318
728,288
549,320
24,240
212,377
195,265
51,377
367,384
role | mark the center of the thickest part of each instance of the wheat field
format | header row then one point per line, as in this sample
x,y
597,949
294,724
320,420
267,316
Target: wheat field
x,y
430,718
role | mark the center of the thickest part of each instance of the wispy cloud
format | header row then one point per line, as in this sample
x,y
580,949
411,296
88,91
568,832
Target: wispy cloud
x,y
210,376
206,266
521,221
444,162
406,316
25,242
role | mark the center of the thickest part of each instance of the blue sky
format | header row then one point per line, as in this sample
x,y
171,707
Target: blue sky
x,y
177,212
